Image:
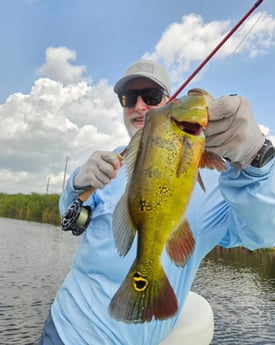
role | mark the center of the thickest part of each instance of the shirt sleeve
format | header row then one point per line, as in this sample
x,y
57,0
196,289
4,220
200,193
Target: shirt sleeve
x,y
250,194
70,194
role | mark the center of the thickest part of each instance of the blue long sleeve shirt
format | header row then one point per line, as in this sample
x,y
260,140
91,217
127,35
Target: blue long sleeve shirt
x,y
237,209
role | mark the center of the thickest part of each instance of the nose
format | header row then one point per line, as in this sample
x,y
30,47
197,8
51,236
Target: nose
x,y
140,105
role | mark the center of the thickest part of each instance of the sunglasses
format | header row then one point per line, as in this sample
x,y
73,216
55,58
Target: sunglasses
x,y
150,96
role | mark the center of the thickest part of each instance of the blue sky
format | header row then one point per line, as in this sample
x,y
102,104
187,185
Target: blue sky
x,y
60,59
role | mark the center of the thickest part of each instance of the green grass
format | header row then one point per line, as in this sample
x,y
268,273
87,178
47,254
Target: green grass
x,y
34,207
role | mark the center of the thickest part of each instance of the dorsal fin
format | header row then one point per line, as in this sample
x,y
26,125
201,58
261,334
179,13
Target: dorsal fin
x,y
123,228
131,154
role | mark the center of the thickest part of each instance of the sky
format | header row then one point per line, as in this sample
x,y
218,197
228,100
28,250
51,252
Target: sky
x,y
60,59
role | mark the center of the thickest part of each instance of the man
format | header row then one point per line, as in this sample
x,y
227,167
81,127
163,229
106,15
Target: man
x,y
238,209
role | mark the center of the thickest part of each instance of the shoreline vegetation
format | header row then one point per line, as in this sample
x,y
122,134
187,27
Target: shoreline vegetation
x,y
41,208
34,207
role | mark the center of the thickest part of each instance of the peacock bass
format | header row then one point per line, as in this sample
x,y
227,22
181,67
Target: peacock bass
x,y
163,160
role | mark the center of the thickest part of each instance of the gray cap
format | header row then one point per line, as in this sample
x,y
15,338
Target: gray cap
x,y
148,69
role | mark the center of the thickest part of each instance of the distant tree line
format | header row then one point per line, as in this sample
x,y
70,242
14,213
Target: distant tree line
x,y
42,208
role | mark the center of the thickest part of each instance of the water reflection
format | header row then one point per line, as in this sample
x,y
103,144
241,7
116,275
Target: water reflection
x,y
239,285
259,262
34,261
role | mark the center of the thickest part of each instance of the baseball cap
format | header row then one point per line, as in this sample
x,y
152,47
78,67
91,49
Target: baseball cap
x,y
148,69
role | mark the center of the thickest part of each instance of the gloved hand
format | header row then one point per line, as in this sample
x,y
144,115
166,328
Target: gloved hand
x,y
232,131
98,170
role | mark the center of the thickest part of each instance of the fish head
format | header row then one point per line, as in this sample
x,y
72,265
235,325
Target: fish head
x,y
189,114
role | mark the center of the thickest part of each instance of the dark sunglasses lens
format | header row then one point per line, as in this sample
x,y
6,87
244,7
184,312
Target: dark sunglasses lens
x,y
128,98
150,96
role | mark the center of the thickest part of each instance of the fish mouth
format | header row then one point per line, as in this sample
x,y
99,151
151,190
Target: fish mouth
x,y
192,128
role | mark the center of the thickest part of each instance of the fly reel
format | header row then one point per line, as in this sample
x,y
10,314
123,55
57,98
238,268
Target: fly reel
x,y
76,218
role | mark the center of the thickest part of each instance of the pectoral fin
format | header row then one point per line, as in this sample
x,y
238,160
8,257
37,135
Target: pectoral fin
x,y
180,244
186,157
201,182
212,160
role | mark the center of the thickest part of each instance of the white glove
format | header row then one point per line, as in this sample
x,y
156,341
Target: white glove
x,y
232,131
98,170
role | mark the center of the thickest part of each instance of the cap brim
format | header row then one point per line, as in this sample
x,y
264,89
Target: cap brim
x,y
123,81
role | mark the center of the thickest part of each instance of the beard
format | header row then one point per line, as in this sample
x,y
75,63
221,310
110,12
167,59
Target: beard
x,y
130,127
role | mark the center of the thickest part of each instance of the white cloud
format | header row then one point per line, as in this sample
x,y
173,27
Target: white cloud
x,y
52,122
58,66
67,115
266,131
192,40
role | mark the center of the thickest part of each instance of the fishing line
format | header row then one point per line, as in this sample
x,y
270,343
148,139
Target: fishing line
x,y
234,50
247,34
214,51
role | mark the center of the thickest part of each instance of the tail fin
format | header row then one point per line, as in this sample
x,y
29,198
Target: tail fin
x,y
139,299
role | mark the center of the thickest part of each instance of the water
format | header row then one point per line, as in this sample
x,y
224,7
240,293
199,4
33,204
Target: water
x,y
240,286
35,258
34,261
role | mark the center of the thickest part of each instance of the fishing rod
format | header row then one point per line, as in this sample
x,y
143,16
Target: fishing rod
x,y
214,51
77,216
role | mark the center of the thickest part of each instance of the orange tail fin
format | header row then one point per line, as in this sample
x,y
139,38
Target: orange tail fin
x,y
139,299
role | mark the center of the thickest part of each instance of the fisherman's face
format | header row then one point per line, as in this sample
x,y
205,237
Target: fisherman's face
x,y
134,116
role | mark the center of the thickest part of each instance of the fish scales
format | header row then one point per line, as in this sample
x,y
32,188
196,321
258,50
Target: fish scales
x,y
163,161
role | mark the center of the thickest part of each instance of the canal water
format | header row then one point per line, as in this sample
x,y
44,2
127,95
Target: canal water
x,y
239,285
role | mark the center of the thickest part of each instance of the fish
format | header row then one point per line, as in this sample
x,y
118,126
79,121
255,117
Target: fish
x,y
163,161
